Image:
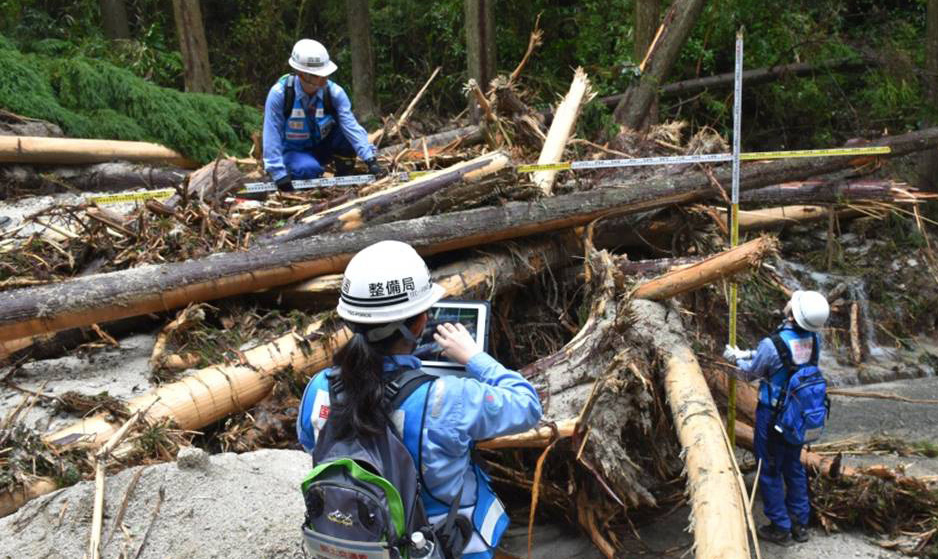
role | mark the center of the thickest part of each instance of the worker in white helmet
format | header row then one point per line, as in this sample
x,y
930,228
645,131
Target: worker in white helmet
x,y
782,479
386,292
308,122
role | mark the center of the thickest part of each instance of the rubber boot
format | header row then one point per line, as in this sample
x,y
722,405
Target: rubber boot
x,y
799,533
773,533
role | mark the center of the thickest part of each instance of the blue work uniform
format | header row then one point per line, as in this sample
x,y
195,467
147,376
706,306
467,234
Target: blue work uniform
x,y
439,424
302,144
781,461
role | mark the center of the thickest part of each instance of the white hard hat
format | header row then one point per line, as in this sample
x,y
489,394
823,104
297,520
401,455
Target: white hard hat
x,y
810,309
386,282
311,57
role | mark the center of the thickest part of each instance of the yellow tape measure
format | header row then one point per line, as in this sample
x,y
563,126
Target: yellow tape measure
x,y
813,153
543,167
132,196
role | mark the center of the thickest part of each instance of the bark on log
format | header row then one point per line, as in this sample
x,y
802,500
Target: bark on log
x,y
709,270
632,109
407,200
10,501
100,177
565,117
750,77
33,149
106,297
190,30
718,507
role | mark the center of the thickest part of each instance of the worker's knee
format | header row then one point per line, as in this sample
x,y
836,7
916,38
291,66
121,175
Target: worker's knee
x,y
302,165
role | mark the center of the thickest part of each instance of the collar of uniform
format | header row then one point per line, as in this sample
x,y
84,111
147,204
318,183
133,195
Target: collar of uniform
x,y
395,362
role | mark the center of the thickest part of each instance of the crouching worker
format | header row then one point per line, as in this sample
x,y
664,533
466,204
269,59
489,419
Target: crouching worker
x,y
792,409
390,444
308,122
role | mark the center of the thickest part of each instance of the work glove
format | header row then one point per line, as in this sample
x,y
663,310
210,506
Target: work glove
x,y
734,354
376,169
284,183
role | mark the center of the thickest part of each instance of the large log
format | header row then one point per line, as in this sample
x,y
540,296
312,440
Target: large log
x,y
565,117
114,176
825,192
709,270
105,297
211,183
34,149
718,507
437,190
465,136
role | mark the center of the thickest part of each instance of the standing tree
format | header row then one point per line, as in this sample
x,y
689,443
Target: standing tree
x,y
192,44
633,109
363,58
928,170
480,44
114,19
647,13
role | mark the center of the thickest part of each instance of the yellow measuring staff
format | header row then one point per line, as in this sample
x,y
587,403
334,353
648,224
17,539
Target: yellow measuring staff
x,y
132,196
878,150
543,167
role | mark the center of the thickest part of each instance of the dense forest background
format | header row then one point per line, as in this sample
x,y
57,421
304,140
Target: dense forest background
x,y
59,64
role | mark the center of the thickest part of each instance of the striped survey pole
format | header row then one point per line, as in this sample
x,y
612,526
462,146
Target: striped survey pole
x,y
734,223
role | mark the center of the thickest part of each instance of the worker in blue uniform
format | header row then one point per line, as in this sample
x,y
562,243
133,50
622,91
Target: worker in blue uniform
x,y
386,291
782,479
308,122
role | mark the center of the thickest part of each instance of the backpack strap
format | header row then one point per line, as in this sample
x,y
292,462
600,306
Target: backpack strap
x,y
815,349
404,383
327,105
784,352
289,95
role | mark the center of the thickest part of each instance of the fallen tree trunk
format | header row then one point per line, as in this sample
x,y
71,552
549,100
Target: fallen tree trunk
x,y
565,117
709,270
210,183
718,505
106,177
35,149
750,77
439,189
105,297
10,501
633,108
825,192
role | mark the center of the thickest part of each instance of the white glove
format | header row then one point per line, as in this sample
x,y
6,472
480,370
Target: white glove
x,y
734,354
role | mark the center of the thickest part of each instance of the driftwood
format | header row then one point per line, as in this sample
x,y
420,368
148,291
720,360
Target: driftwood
x,y
114,176
104,297
437,190
565,117
827,192
34,149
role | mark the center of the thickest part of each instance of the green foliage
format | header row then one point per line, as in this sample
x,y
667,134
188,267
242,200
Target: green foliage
x,y
92,98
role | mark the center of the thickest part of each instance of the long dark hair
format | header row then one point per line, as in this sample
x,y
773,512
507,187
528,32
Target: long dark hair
x,y
361,368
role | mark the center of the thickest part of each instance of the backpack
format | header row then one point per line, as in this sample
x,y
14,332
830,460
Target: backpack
x,y
289,95
803,405
363,495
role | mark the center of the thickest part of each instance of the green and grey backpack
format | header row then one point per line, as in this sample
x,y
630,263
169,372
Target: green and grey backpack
x,y
363,495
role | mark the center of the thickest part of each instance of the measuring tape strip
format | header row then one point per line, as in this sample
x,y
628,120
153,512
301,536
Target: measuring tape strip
x,y
350,180
132,196
814,153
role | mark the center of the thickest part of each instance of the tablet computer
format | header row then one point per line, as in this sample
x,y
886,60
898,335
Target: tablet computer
x,y
474,315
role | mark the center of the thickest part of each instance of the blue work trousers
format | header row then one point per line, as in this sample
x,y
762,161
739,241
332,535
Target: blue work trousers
x,y
304,165
781,467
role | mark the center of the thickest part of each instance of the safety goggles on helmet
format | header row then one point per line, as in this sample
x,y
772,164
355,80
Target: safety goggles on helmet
x,y
385,283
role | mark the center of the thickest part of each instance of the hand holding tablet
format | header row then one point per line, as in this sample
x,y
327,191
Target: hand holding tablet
x,y
456,342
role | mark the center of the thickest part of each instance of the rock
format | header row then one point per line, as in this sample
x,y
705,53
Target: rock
x,y
191,457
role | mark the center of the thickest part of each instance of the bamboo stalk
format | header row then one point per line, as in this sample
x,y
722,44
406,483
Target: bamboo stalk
x,y
565,117
855,344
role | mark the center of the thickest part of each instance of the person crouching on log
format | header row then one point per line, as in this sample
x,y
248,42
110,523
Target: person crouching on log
x,y
386,292
792,403
308,122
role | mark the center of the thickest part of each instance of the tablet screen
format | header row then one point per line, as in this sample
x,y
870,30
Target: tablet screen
x,y
469,316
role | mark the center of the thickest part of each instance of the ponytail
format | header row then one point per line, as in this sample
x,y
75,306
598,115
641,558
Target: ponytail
x,y
361,369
